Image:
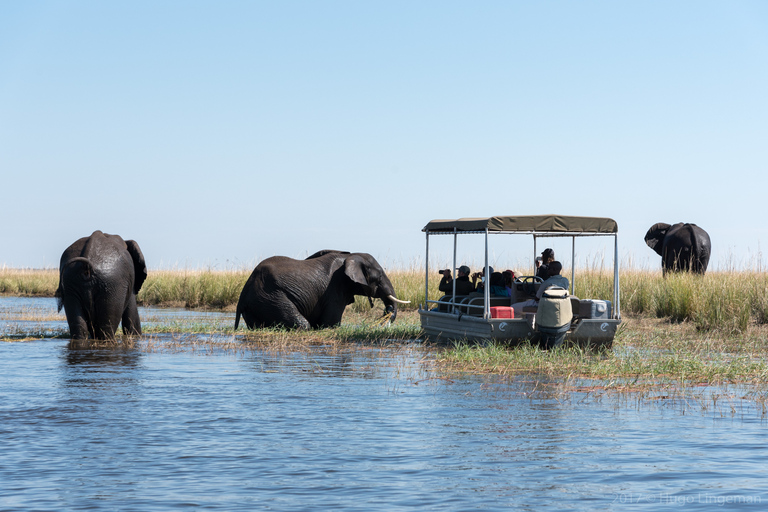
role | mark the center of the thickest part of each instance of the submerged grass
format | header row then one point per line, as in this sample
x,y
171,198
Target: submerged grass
x,y
647,354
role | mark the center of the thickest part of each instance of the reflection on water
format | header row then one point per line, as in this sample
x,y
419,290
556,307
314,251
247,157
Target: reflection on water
x,y
124,426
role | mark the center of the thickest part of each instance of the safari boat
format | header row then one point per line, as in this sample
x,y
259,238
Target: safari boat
x,y
594,322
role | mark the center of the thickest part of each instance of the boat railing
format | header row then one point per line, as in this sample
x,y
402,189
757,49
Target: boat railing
x,y
466,304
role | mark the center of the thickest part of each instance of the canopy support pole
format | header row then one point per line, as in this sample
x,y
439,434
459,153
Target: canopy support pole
x,y
616,297
426,276
487,283
456,276
573,263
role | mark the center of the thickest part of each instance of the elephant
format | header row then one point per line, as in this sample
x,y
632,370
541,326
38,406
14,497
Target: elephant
x,y
312,293
682,247
99,277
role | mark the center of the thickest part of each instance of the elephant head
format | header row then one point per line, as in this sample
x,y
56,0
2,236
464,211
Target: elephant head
x,y
313,292
369,279
654,238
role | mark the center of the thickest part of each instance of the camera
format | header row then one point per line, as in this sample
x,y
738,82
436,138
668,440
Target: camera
x,y
538,258
442,271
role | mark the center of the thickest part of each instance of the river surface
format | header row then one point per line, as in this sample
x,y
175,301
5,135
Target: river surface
x,y
189,422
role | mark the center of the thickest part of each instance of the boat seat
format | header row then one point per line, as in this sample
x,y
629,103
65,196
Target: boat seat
x,y
575,305
444,305
473,306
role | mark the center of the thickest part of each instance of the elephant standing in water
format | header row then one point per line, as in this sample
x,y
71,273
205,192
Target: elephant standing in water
x,y
682,247
99,277
312,293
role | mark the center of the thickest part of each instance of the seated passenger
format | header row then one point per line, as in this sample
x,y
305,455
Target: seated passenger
x,y
497,285
463,285
555,279
509,280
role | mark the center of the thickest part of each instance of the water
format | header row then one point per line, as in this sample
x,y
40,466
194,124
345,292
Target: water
x,y
158,426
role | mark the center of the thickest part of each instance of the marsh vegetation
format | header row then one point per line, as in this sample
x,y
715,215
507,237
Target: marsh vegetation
x,y
683,330
726,303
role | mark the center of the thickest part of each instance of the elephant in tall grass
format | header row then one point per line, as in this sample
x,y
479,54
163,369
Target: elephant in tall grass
x,y
682,246
99,277
312,293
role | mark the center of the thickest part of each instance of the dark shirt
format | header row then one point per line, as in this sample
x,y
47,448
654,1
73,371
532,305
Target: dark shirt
x,y
463,286
543,271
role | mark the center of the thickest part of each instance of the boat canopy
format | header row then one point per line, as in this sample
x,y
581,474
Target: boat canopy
x,y
561,224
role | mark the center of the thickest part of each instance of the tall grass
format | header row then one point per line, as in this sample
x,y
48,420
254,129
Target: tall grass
x,y
724,301
29,282
728,301
193,288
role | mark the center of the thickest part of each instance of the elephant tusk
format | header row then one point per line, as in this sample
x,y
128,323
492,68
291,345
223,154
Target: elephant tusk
x,y
395,299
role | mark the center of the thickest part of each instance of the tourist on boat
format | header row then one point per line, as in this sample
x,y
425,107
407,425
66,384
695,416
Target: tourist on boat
x,y
555,279
497,287
543,262
509,280
479,276
463,285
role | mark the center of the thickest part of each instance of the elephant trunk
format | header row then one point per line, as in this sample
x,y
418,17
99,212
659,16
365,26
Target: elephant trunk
x,y
390,306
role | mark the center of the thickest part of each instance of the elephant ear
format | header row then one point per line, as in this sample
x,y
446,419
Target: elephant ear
x,y
139,266
354,268
654,238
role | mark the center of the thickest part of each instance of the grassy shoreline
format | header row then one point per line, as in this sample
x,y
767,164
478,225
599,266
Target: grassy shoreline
x,y
727,302
681,331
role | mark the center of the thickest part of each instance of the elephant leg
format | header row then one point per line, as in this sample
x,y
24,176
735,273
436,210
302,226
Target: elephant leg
x,y
131,322
78,326
291,318
331,316
279,312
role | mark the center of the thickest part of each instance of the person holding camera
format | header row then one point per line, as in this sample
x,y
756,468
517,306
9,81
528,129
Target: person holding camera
x,y
463,284
496,282
543,262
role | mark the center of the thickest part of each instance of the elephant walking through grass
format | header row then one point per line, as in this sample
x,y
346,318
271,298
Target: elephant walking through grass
x,y
312,293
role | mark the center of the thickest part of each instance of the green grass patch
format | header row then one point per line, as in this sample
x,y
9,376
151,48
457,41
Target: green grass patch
x,y
646,352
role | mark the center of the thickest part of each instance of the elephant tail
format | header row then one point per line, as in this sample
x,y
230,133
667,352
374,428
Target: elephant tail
x,y
71,274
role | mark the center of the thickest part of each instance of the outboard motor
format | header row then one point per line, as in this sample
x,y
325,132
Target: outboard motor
x,y
553,318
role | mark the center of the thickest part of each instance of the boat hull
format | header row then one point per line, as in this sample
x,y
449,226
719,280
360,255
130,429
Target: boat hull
x,y
594,334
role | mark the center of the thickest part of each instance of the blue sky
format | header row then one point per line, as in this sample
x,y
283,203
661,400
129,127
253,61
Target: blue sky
x,y
216,134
